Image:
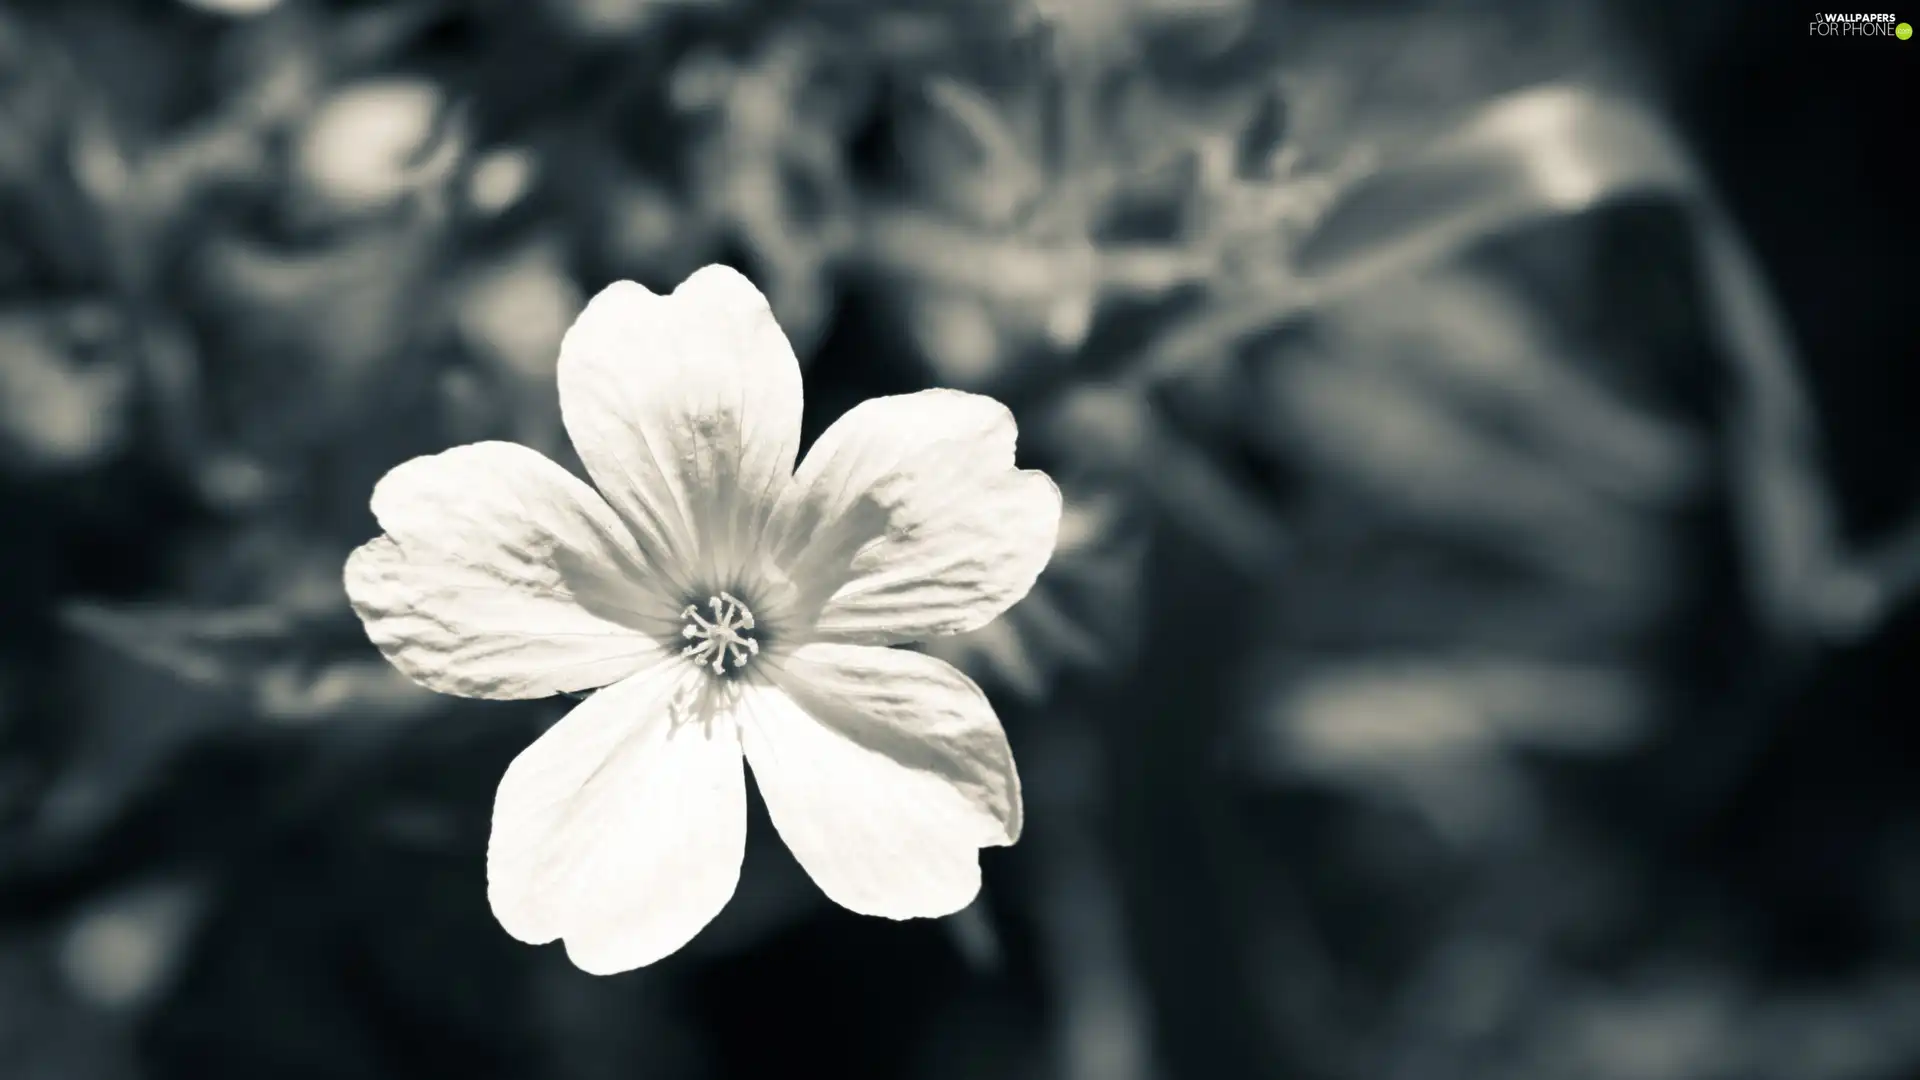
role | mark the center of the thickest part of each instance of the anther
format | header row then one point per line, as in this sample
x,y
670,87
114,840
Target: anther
x,y
727,636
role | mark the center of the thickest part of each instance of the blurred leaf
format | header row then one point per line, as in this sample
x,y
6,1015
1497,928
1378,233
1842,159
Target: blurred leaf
x,y
511,313
266,654
768,165
971,158
66,388
1563,150
1442,734
1419,463
369,145
500,179
599,20
1468,340
45,1033
235,8
313,340
120,952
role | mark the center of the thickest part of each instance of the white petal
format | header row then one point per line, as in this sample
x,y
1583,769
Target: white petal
x,y
908,520
885,771
686,411
501,575
622,828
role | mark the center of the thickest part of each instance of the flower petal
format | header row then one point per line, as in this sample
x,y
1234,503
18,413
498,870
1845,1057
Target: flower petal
x,y
622,828
501,575
885,771
908,520
686,411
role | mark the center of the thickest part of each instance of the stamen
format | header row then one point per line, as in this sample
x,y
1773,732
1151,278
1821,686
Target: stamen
x,y
726,636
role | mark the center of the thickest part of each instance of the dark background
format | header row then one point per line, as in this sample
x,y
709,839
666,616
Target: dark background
x,y
1404,701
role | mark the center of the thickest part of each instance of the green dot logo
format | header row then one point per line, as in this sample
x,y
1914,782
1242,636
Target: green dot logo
x,y
1903,31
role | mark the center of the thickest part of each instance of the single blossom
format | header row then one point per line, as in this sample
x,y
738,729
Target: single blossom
x,y
725,606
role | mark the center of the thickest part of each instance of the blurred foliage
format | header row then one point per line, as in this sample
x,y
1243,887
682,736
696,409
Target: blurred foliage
x,y
1445,543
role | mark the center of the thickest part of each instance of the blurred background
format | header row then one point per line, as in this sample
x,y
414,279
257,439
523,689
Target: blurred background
x,y
1482,642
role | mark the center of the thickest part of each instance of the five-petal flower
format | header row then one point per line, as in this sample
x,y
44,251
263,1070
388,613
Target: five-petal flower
x,y
724,605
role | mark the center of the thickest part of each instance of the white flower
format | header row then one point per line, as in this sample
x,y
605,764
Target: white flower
x,y
729,606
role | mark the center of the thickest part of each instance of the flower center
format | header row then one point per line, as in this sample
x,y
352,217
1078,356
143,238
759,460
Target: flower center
x,y
728,636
